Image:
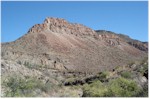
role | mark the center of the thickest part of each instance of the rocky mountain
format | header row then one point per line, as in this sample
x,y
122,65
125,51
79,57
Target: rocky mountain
x,y
59,44
59,48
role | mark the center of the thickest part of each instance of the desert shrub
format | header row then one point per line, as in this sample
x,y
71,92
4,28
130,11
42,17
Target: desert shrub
x,y
70,81
32,66
77,87
122,87
28,65
143,68
119,87
95,89
103,75
19,87
116,68
47,87
126,74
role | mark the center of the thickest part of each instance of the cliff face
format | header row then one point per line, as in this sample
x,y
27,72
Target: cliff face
x,y
68,47
62,26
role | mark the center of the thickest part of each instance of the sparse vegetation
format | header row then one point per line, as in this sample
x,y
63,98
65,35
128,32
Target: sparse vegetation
x,y
28,65
126,74
19,62
33,66
19,87
73,81
143,68
119,84
47,87
95,89
103,75
131,63
70,80
145,60
116,68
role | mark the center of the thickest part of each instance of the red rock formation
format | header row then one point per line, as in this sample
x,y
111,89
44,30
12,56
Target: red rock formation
x,y
62,26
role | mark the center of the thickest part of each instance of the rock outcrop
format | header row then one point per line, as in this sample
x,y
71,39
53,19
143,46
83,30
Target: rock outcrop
x,y
62,26
114,39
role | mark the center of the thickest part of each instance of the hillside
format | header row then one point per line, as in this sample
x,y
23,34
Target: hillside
x,y
57,50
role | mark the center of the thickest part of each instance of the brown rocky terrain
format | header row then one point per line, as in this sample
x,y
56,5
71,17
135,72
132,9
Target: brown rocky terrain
x,y
57,49
65,46
137,44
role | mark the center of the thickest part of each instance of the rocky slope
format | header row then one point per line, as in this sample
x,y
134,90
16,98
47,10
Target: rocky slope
x,y
65,46
143,46
57,50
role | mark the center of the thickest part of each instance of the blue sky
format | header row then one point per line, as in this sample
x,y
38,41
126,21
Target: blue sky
x,y
129,18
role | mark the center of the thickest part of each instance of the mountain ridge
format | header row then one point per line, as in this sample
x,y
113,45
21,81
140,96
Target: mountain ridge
x,y
71,45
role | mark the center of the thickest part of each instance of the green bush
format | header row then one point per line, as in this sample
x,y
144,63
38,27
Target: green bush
x,y
122,87
143,68
19,87
95,89
119,87
103,75
126,74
